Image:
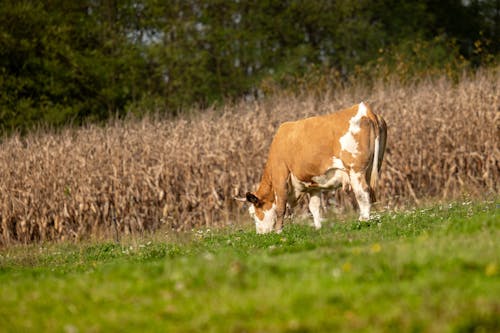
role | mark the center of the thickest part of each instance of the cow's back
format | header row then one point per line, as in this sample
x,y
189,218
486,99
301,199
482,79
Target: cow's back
x,y
307,146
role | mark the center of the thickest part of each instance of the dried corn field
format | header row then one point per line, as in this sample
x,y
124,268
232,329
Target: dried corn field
x,y
133,176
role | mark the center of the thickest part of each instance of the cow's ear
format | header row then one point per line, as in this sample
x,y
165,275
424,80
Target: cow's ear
x,y
252,198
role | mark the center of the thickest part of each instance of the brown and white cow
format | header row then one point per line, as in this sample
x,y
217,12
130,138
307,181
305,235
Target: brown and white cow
x,y
342,149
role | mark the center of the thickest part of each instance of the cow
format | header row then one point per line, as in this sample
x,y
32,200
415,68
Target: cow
x,y
323,153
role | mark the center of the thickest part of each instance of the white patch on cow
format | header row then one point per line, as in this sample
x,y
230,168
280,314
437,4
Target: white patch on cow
x,y
354,122
337,163
251,211
362,196
265,225
315,209
347,141
332,179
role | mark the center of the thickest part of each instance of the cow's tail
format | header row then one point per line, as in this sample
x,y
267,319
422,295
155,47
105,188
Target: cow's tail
x,y
380,128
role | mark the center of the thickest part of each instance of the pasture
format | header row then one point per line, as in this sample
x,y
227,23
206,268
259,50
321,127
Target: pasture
x,y
431,269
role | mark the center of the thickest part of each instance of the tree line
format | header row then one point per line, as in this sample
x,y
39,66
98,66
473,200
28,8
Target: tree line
x,y
86,60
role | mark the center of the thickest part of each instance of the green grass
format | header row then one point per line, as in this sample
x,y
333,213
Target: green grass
x,y
435,269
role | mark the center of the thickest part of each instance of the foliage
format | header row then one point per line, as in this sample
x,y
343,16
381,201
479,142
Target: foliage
x,y
84,60
429,269
63,61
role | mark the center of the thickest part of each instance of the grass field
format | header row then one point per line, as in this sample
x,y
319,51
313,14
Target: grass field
x,y
431,269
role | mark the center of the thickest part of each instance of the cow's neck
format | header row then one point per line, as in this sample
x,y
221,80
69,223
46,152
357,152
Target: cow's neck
x,y
265,192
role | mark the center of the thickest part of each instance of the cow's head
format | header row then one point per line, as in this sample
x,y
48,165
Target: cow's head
x,y
262,212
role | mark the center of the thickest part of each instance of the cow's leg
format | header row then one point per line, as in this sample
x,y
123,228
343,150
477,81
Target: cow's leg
x,y
315,208
361,191
292,199
280,200
280,214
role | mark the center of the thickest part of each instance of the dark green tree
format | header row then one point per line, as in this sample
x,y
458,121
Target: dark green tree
x,y
75,61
